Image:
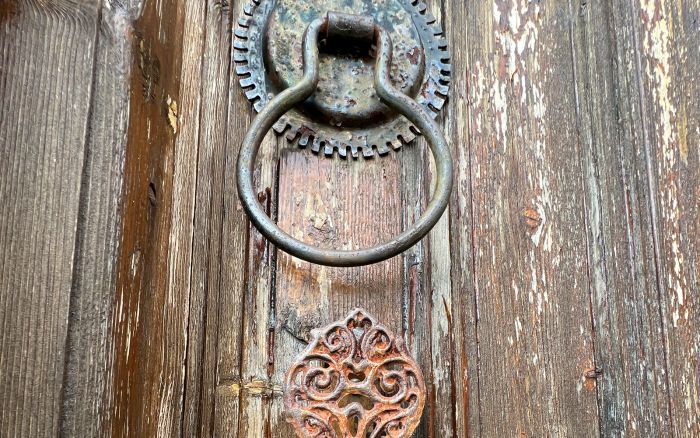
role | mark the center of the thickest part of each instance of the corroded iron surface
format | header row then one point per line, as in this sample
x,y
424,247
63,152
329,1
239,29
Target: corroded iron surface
x,y
355,379
345,113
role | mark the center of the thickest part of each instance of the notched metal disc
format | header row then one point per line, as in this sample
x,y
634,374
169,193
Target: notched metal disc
x,y
344,114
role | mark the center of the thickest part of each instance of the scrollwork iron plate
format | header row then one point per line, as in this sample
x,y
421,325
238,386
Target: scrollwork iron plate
x,y
355,379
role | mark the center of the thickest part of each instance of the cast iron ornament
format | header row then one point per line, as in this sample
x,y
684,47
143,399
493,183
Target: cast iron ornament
x,y
344,114
354,380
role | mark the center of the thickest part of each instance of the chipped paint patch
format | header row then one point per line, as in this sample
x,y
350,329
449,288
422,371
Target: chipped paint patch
x,y
171,113
657,49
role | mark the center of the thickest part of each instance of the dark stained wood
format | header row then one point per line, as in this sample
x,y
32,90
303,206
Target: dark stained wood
x,y
150,317
46,71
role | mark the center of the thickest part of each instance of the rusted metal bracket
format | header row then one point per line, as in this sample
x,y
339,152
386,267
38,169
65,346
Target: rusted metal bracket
x,y
355,379
345,114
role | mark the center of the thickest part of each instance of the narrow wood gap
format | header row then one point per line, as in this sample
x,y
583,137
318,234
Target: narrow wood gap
x,y
244,311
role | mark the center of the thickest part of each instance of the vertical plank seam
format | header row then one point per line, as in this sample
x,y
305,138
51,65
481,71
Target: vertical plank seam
x,y
451,313
272,311
652,211
244,310
79,229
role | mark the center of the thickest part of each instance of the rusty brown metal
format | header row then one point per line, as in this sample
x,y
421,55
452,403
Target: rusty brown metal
x,y
355,379
344,114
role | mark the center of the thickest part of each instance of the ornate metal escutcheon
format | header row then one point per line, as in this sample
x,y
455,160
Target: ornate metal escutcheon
x,y
355,379
343,75
344,114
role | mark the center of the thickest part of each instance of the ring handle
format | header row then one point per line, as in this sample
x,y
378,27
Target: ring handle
x,y
344,27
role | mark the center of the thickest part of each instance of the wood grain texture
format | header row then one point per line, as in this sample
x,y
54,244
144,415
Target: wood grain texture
x,y
228,341
87,392
149,324
666,35
46,65
206,287
557,296
630,357
320,201
430,309
529,238
462,118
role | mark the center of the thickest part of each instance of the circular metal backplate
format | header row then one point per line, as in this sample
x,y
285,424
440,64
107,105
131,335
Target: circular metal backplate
x,y
344,114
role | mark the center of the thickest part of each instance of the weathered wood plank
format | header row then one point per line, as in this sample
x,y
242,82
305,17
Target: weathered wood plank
x,y
340,204
87,392
233,288
180,290
151,304
46,65
461,122
666,36
429,317
628,329
534,324
206,287
258,304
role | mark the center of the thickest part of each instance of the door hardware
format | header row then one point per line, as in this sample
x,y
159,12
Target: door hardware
x,y
348,33
355,379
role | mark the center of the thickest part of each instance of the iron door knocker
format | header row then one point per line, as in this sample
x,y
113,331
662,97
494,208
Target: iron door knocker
x,y
355,378
351,34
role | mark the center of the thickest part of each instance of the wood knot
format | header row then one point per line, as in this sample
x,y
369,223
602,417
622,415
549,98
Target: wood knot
x,y
532,217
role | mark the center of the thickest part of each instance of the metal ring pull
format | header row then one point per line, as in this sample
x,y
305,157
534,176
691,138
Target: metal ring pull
x,y
345,29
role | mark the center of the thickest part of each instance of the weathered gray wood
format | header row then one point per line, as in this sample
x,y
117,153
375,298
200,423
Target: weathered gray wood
x,y
461,122
529,242
427,290
229,343
46,64
205,299
668,63
88,391
558,296
630,357
181,237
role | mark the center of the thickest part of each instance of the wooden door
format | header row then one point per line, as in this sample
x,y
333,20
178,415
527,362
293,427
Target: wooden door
x,y
558,295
